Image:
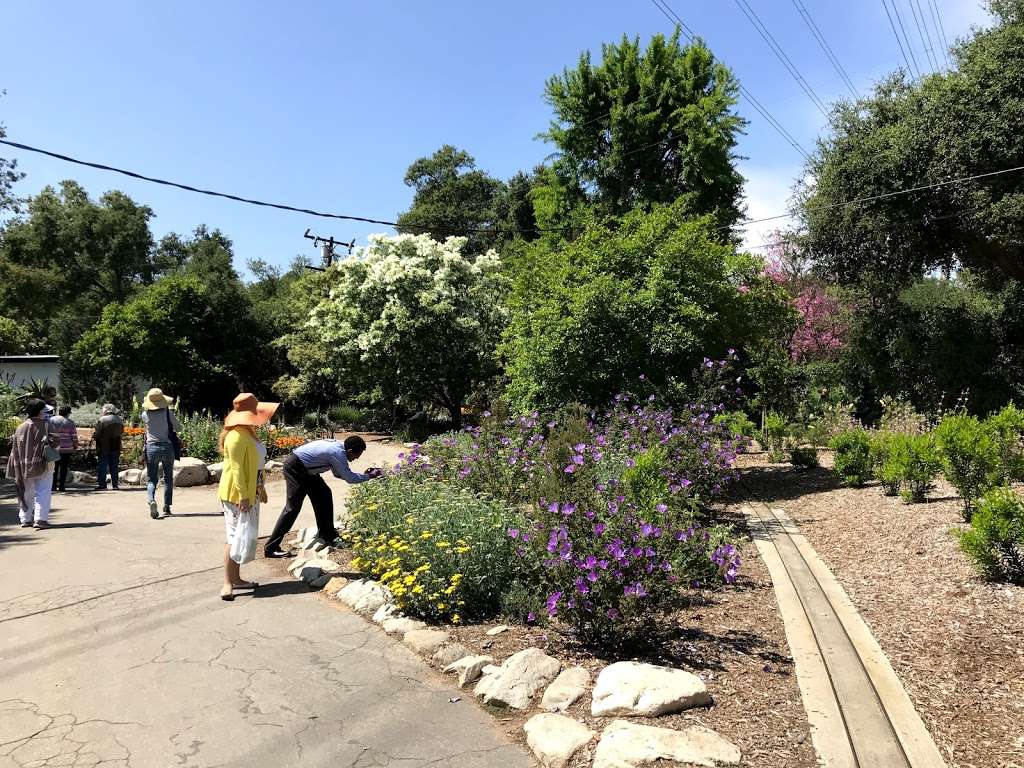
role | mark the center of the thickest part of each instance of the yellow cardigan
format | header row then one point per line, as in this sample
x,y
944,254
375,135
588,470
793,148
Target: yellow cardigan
x,y
238,480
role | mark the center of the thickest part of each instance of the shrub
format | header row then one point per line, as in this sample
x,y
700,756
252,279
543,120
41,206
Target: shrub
x,y
853,456
884,468
773,435
445,553
970,457
915,460
87,414
804,456
1008,432
737,422
995,540
199,435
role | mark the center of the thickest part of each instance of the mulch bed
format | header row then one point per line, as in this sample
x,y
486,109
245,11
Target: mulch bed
x,y
733,638
956,642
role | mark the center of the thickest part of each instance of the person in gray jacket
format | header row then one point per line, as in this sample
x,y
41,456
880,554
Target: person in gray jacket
x,y
107,439
161,427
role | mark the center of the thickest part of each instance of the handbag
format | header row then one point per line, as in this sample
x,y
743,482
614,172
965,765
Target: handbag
x,y
175,440
247,529
49,452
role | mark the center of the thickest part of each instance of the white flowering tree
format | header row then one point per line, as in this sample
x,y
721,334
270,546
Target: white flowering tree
x,y
414,319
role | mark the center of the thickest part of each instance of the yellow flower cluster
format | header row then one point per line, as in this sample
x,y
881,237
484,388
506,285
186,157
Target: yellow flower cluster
x,y
418,566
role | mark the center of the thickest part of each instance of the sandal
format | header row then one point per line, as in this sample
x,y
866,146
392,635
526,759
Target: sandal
x,y
229,596
246,585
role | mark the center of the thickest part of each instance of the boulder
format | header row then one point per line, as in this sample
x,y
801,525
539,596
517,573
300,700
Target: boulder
x,y
468,668
317,572
631,688
566,690
131,477
364,596
215,471
628,745
334,584
399,625
82,478
189,471
521,676
425,641
385,612
554,739
497,630
449,654
273,466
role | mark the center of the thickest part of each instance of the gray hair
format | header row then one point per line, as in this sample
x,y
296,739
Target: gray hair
x,y
110,408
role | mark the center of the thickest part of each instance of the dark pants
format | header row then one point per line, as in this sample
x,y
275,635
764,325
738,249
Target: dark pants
x,y
107,463
298,485
60,474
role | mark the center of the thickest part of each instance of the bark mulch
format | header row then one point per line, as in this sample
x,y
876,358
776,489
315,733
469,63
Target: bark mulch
x,y
956,642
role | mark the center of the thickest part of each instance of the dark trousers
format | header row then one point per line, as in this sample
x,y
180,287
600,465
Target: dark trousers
x,y
60,474
107,463
298,485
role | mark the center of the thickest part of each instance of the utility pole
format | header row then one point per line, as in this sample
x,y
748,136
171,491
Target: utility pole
x,y
327,246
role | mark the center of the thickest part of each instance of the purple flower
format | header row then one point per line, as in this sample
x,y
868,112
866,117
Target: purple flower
x,y
592,576
599,529
513,533
661,508
612,613
531,617
646,529
553,507
590,562
578,459
552,603
568,509
570,469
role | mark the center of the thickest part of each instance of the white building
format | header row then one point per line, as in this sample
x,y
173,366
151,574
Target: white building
x,y
18,371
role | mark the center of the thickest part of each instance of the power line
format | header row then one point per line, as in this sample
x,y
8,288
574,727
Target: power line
x,y
674,18
926,44
811,25
898,40
940,32
910,48
780,54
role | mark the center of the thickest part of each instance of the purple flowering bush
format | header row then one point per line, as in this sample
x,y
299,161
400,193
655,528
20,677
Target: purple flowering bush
x,y
616,504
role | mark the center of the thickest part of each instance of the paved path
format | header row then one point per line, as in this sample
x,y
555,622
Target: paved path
x,y
132,660
860,715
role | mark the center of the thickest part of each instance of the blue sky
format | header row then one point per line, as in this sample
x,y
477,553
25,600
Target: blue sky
x,y
324,104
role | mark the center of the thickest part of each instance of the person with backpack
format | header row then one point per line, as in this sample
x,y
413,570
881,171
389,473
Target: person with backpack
x,y
162,447
107,439
67,432
30,465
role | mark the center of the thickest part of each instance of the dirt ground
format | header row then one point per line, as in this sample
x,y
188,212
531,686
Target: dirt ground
x,y
956,642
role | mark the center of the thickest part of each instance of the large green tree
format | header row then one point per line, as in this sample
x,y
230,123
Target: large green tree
x,y
646,126
453,198
653,296
947,126
68,257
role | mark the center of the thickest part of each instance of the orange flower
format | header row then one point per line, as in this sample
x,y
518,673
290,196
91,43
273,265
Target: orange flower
x,y
134,431
289,442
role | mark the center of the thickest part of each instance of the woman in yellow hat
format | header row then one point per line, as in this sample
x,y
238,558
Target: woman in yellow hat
x,y
161,427
241,482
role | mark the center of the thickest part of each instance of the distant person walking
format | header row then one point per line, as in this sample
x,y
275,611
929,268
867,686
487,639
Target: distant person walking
x,y
67,431
241,486
107,439
302,470
31,468
161,445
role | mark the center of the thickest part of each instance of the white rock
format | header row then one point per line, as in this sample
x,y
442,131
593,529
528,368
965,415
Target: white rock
x,y
399,625
632,688
468,668
484,685
312,571
385,612
451,653
309,544
554,739
520,677
83,478
425,641
273,466
566,690
215,471
364,596
189,471
490,669
131,477
298,562
628,745
497,630
326,565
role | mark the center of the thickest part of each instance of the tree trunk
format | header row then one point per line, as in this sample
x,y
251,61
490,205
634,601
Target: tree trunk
x,y
455,414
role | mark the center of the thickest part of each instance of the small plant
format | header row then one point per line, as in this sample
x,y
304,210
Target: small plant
x,y
885,470
773,435
738,424
853,456
804,456
995,540
1008,432
900,417
915,460
87,414
970,457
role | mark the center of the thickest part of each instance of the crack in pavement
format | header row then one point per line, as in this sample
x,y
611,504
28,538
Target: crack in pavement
x,y
62,740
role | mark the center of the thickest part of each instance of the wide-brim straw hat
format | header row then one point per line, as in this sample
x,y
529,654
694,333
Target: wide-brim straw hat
x,y
155,400
247,410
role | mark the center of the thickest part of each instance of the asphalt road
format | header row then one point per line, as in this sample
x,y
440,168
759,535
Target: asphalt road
x,y
115,650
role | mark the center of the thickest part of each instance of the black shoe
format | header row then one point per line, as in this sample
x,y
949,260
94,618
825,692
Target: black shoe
x,y
276,553
103,488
